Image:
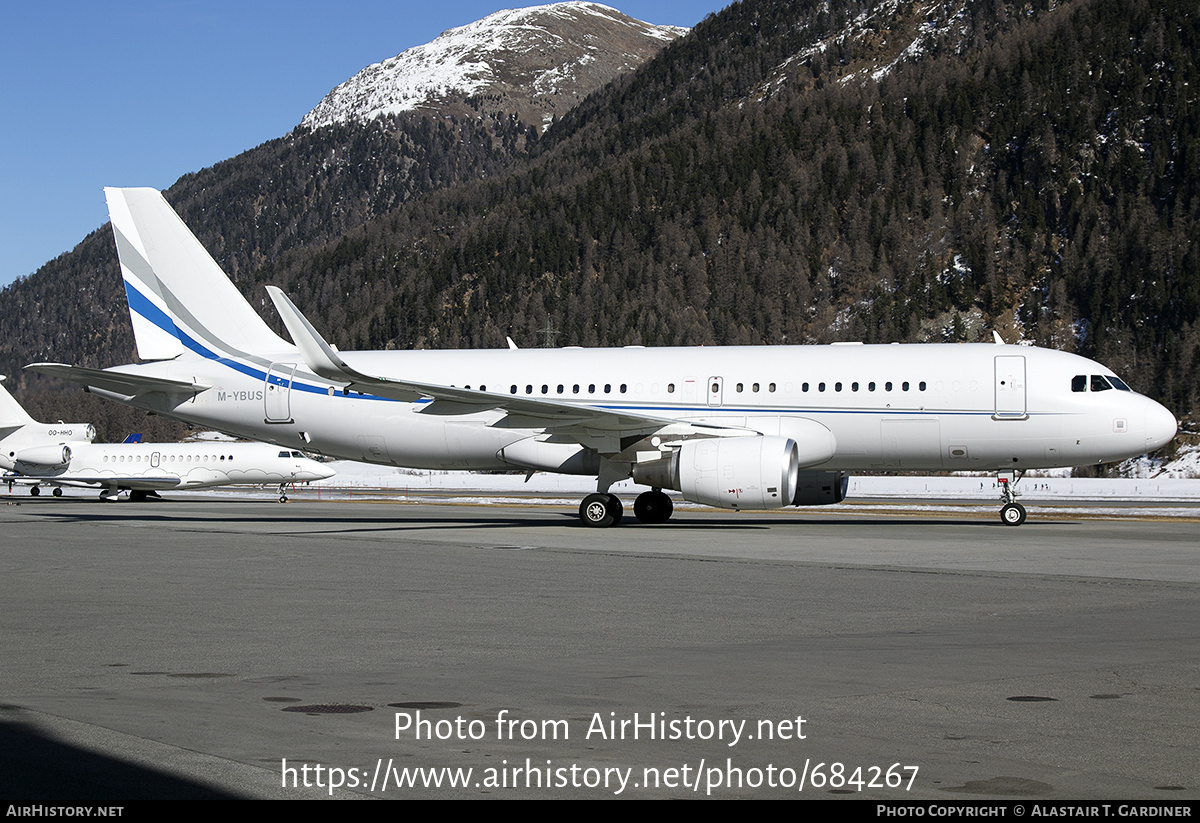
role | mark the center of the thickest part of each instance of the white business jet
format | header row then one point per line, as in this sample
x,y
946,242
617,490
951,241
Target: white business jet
x,y
733,427
63,454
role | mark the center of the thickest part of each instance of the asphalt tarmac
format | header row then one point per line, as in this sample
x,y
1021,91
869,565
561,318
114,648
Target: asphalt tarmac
x,y
212,647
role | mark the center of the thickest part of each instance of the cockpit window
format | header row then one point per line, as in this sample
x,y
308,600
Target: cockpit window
x,y
1098,382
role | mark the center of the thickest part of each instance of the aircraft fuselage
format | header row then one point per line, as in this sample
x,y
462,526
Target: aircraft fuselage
x,y
911,407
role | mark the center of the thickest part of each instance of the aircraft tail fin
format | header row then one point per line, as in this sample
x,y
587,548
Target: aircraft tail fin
x,y
179,298
136,437
12,415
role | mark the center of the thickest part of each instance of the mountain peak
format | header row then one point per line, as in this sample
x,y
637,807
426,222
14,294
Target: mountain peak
x,y
533,62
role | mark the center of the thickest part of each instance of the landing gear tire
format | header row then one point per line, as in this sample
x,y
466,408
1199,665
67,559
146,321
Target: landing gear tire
x,y
138,496
283,498
618,509
601,510
653,507
1013,514
34,491
57,492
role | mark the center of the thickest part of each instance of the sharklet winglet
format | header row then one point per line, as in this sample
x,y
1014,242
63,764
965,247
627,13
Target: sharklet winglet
x,y
318,355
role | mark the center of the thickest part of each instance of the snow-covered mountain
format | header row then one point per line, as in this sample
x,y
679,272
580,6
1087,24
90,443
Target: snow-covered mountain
x,y
536,63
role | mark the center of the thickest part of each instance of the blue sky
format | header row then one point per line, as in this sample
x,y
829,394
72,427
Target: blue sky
x,y
140,93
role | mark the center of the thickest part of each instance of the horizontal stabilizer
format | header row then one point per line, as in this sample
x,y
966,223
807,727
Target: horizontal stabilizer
x,y
117,382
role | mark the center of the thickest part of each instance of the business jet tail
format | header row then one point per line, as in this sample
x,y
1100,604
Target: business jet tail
x,y
179,298
12,415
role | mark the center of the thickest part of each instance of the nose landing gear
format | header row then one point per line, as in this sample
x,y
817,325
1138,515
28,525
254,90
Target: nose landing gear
x,y
1012,513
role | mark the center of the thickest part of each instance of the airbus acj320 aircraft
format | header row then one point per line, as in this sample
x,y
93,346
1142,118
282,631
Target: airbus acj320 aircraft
x,y
733,427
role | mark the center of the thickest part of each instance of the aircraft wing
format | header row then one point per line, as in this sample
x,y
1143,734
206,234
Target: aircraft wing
x,y
590,425
139,483
116,381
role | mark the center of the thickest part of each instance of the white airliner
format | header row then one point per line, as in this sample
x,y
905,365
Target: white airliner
x,y
63,454
733,427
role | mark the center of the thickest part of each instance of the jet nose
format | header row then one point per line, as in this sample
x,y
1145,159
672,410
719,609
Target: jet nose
x,y
1160,426
322,471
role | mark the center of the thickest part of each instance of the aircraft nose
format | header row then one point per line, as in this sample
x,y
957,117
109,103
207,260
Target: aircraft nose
x,y
1160,426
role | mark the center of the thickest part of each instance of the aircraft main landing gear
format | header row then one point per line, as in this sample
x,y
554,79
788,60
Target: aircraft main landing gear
x,y
601,510
57,491
653,507
34,491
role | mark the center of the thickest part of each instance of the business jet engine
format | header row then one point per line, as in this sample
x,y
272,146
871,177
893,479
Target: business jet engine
x,y
42,458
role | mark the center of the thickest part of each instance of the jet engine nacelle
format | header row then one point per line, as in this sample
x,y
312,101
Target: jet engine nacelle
x,y
820,488
44,457
728,472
